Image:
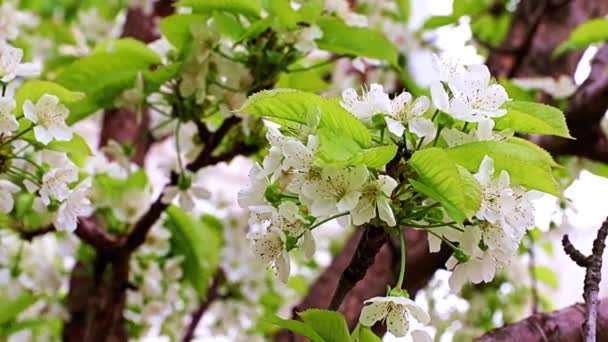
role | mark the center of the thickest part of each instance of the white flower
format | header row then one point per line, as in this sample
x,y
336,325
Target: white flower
x,y
76,205
375,194
7,189
563,87
398,311
49,116
474,97
374,101
342,9
338,190
55,183
286,218
483,132
8,122
253,193
186,195
405,112
270,248
10,63
307,37
11,19
502,203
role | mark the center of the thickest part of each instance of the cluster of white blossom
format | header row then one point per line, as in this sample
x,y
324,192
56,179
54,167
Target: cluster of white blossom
x,y
38,268
51,176
161,303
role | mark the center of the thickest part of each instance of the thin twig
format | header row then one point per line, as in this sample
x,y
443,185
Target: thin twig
x,y
593,276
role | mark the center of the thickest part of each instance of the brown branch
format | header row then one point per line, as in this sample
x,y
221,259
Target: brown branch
x,y
559,326
593,276
212,295
372,240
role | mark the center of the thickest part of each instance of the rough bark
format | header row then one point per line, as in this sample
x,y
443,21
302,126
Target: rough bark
x,y
559,326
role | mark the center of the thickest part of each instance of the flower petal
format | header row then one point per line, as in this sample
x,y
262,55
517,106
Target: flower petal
x,y
372,313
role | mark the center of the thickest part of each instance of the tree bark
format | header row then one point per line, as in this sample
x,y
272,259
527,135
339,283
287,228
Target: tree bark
x,y
559,326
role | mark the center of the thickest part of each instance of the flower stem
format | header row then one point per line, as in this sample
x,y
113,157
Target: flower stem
x,y
328,219
403,260
16,136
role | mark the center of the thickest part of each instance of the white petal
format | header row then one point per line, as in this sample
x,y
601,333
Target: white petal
x,y
372,313
283,267
386,212
420,106
349,201
363,215
308,244
394,126
421,336
42,135
169,194
62,134
387,184
29,111
397,322
486,170
440,97
423,127
186,201
200,192
484,130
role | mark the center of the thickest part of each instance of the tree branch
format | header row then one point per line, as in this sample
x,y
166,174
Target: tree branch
x,y
559,326
593,275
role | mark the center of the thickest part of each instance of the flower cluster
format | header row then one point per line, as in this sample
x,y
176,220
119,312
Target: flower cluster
x,y
50,176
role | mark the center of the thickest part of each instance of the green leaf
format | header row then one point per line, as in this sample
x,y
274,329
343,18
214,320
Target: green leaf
x,y
375,157
50,327
364,334
293,106
246,7
311,80
34,89
342,39
442,179
532,117
526,165
228,25
590,32
405,9
76,146
113,189
330,325
105,74
200,242
176,28
10,308
439,21
546,275
294,326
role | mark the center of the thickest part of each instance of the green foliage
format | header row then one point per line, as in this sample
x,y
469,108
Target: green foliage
x,y
342,39
290,18
532,117
290,106
441,178
364,334
176,28
526,165
294,326
245,7
105,74
375,157
546,276
200,242
114,189
311,80
318,326
330,325
10,308
590,32
34,89
405,9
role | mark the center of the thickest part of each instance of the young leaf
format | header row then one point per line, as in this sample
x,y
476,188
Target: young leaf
x,y
342,39
590,32
77,146
105,74
199,242
526,165
440,178
546,275
292,105
176,28
364,334
375,157
34,89
294,326
11,307
330,325
532,117
246,7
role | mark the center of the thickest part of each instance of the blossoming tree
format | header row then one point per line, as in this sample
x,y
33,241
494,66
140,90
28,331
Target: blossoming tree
x,y
362,180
